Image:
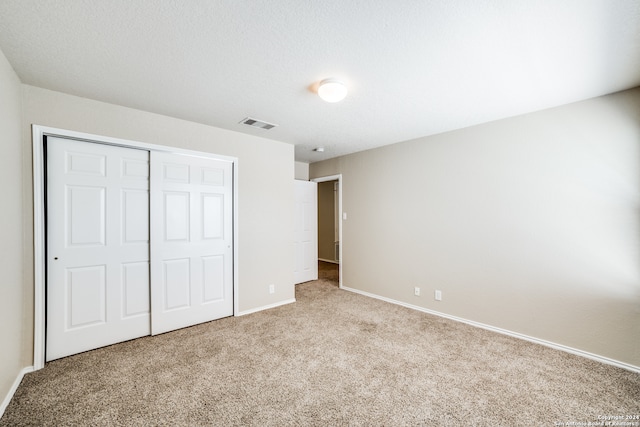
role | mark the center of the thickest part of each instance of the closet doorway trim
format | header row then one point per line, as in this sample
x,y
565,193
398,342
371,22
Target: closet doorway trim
x,y
39,218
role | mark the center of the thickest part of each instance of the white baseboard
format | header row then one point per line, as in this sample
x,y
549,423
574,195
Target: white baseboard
x,y
546,343
266,307
13,388
332,261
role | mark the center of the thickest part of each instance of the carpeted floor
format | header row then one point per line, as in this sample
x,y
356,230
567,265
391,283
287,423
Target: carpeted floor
x,y
328,272
332,358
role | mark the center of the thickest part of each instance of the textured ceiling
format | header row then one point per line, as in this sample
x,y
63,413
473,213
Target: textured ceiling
x,y
413,68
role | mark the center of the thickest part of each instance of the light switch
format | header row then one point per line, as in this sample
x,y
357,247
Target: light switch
x,y
344,216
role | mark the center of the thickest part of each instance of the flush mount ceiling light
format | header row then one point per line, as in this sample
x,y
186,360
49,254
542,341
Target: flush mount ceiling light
x,y
319,149
332,90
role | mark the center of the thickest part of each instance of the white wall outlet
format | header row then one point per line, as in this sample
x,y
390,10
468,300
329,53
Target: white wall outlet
x,y
438,295
272,289
416,291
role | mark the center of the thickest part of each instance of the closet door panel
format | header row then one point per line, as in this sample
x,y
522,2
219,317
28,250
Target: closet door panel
x,y
97,246
191,240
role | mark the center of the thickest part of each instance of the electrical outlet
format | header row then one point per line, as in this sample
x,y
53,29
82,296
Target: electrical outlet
x,y
438,295
272,289
416,291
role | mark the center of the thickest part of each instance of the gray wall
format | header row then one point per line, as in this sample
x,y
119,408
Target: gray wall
x,y
301,171
11,229
265,186
530,224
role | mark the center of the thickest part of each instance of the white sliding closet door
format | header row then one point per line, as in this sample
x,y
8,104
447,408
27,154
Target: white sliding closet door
x,y
191,240
97,246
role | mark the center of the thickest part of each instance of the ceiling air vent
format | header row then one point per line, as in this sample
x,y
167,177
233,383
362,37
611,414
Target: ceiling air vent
x,y
257,123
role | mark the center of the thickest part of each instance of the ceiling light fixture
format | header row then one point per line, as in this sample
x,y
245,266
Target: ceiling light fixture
x,y
319,149
332,90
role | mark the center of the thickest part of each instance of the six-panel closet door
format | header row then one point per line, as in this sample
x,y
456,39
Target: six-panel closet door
x,y
191,240
97,246
118,270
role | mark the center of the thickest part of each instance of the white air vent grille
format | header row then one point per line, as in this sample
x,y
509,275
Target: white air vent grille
x,y
257,123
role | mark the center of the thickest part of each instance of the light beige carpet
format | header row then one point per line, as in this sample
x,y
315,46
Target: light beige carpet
x,y
332,358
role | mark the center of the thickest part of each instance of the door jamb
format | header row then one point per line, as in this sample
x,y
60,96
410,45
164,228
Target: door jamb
x,y
39,224
339,179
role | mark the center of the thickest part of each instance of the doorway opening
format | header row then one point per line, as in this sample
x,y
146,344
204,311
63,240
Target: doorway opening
x,y
330,217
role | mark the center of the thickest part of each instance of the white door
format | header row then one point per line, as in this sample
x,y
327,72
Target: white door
x,y
191,240
305,238
97,246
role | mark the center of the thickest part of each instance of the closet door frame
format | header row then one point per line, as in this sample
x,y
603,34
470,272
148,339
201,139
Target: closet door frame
x,y
39,133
